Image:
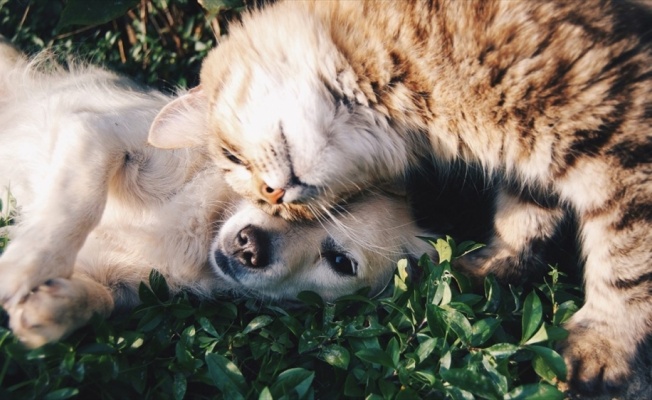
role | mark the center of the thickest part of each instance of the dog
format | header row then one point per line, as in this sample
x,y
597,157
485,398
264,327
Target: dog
x,y
98,209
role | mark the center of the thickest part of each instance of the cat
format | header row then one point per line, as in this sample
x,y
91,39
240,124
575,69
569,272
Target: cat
x,y
98,209
308,102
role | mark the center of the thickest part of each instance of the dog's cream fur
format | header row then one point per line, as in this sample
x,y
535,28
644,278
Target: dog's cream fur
x,y
99,208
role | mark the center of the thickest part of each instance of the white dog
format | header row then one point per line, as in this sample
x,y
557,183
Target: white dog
x,y
98,208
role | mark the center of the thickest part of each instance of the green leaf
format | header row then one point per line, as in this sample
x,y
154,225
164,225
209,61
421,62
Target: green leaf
x,y
532,316
93,12
444,249
393,350
458,323
542,369
265,394
226,376
564,311
540,336
443,294
63,393
159,285
427,347
536,391
353,387
311,299
292,380
216,6
482,331
376,356
402,269
436,320
556,332
371,329
206,325
146,295
472,381
467,247
502,350
547,332
310,340
258,322
492,292
499,380
552,359
179,386
151,320
336,356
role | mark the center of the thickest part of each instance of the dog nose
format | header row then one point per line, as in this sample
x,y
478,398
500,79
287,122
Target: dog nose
x,y
252,247
271,195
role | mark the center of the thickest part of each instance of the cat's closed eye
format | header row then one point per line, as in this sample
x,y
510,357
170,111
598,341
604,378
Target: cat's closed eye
x,y
231,157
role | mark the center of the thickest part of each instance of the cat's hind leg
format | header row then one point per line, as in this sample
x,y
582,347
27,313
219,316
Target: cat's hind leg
x,y
523,227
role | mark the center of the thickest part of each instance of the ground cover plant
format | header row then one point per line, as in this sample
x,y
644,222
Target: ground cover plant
x,y
432,337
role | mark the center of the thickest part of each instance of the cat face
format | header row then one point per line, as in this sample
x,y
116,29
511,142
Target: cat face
x,y
292,133
269,258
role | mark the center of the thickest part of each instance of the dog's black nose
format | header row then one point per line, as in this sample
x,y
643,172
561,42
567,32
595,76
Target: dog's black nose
x,y
251,247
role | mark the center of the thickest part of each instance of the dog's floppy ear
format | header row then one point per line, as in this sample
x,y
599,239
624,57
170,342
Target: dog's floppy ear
x,y
181,123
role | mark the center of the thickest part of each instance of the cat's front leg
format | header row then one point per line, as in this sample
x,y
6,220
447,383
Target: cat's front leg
x,y
522,228
56,308
607,334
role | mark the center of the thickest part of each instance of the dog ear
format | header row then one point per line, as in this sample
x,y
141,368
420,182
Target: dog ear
x,y
181,123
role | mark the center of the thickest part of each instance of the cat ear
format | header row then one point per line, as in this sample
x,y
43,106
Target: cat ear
x,y
181,123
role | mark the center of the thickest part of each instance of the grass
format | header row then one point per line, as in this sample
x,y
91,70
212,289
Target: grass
x,y
432,338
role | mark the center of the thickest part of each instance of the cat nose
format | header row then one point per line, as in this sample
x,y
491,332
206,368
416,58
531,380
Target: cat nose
x,y
251,247
271,195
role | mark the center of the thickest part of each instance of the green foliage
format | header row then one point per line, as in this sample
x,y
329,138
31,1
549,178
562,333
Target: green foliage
x,y
432,338
159,42
7,208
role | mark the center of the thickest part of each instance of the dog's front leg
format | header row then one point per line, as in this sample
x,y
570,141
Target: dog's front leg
x,y
58,307
70,200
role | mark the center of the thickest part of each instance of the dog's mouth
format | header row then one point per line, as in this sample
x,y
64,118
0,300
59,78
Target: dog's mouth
x,y
224,264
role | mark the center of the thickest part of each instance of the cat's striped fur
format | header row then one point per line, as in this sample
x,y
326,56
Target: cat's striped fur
x,y
309,101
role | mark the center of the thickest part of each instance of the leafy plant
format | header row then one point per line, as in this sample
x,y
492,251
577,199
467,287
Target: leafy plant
x,y
159,42
432,338
7,208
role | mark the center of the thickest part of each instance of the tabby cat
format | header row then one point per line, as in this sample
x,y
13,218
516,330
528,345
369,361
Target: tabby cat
x,y
308,102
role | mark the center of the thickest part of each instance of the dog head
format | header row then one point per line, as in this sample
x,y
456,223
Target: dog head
x,y
355,246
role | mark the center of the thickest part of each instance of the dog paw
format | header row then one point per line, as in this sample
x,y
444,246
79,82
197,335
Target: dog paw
x,y
15,283
596,364
50,312
22,270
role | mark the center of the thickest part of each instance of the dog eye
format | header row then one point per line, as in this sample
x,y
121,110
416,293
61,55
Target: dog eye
x,y
341,263
231,157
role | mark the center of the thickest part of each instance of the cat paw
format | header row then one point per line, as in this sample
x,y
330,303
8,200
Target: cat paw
x,y
50,312
595,363
504,264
